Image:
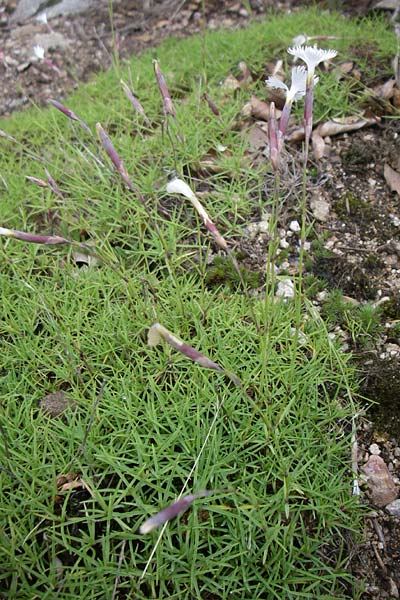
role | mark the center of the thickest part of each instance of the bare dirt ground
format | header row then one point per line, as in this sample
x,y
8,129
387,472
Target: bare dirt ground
x,y
356,204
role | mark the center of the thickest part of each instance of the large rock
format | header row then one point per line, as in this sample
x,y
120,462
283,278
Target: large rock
x,y
382,488
30,8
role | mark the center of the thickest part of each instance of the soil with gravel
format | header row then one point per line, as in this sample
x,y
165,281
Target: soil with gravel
x,y
357,213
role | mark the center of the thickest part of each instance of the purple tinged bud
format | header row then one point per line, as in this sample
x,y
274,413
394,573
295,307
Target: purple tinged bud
x,y
308,111
211,105
134,101
53,186
284,120
34,238
172,511
70,114
37,181
114,156
158,331
273,137
178,186
8,137
198,357
167,102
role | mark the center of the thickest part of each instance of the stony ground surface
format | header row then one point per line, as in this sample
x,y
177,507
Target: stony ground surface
x,y
355,200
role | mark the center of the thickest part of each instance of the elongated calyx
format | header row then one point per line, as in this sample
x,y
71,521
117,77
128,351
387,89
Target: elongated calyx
x,y
178,186
158,332
172,511
34,238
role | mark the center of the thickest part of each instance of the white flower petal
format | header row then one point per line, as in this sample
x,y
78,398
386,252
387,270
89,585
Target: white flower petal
x,y
42,18
298,85
39,52
154,335
4,231
178,186
312,55
274,82
300,40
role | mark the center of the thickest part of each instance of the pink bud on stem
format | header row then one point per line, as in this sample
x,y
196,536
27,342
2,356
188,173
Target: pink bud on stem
x,y
34,238
158,332
178,186
211,105
135,102
162,86
70,114
114,156
172,511
37,181
8,137
273,136
52,184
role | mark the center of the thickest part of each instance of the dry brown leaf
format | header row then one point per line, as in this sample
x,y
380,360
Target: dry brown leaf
x,y
385,90
334,127
296,135
276,96
260,109
82,258
392,178
246,77
246,110
71,481
396,97
345,124
318,144
276,69
258,137
343,69
387,4
231,83
66,478
346,67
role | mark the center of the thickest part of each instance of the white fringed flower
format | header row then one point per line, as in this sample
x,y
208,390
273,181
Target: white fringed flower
x,y
298,85
39,52
178,186
42,18
312,56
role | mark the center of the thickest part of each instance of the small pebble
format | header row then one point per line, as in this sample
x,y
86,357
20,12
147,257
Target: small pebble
x,y
285,288
294,226
374,449
394,508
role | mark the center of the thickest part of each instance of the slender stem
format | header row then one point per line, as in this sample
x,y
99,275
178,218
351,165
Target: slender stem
x,y
271,254
245,289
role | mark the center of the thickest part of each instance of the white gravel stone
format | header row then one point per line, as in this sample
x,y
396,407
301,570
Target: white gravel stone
x,y
294,226
394,508
374,449
285,288
320,209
